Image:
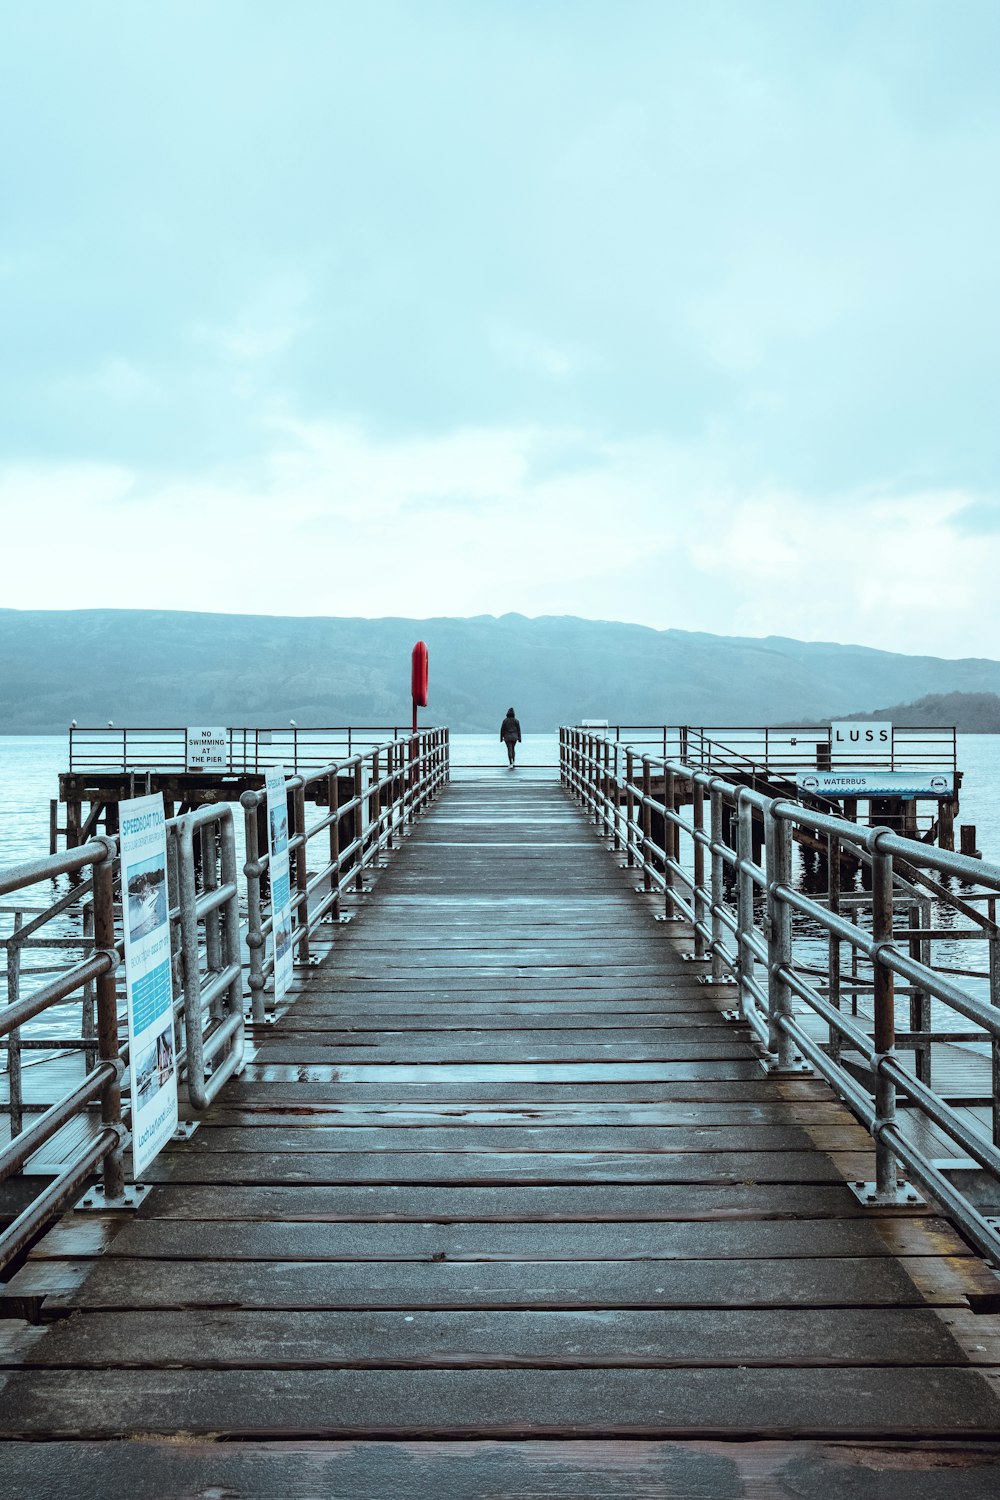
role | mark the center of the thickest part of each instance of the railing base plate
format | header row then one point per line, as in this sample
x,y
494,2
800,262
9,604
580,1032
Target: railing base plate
x,y
694,958
185,1130
774,1069
868,1194
710,980
95,1202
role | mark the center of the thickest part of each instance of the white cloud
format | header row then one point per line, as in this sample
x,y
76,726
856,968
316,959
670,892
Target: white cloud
x,y
476,521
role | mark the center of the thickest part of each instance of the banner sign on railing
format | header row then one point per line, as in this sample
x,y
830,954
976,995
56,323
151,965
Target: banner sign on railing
x,y
146,924
903,784
281,892
207,749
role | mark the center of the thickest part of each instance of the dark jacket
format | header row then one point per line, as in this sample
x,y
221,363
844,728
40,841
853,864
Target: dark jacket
x,y
510,729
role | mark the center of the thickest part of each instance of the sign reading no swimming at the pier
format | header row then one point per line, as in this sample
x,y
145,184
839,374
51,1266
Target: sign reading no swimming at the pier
x,y
207,749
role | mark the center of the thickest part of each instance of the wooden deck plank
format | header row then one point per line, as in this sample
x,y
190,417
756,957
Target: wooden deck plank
x,y
829,1402
768,1240
876,1282
544,1469
607,1203
485,1167
654,1141
719,1338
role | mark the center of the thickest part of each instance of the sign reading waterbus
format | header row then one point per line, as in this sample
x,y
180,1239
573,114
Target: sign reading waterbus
x,y
903,784
148,988
207,749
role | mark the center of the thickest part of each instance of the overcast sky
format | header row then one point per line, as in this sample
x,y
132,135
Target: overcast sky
x,y
678,312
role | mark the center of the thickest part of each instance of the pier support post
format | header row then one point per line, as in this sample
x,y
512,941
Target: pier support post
x,y
946,823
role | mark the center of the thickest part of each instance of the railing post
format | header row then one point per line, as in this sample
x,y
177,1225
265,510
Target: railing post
x,y
333,799
718,974
255,933
744,898
14,1036
647,815
833,847
778,843
375,806
87,1028
993,945
920,1000
301,874
359,828
390,795
107,1022
698,860
886,1183
671,841
629,808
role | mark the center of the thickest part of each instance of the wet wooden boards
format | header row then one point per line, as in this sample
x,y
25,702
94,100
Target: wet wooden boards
x,y
501,1175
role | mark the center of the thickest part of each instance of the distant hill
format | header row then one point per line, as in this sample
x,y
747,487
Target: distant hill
x,y
158,667
973,713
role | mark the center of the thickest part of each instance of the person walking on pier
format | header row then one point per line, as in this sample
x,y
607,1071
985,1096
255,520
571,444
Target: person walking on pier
x,y
510,733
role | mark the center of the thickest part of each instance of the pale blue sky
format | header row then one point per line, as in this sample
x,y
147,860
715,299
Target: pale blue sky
x,y
683,313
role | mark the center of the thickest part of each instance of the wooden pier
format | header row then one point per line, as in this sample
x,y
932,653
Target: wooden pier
x,y
502,1206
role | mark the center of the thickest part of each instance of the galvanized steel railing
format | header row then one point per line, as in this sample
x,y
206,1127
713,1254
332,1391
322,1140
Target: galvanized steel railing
x,y
386,787
248,751
752,945
207,989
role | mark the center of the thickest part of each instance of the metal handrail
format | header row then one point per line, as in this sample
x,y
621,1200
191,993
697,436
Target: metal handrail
x,y
623,808
249,750
207,1002
389,786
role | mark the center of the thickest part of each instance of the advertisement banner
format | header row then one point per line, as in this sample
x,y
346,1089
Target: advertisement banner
x,y
146,925
905,784
207,749
281,891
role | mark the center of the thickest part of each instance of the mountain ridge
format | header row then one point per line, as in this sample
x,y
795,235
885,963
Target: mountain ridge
x,y
161,666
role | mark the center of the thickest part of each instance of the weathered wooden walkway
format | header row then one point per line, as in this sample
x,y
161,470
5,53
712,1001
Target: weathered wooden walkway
x,y
501,1175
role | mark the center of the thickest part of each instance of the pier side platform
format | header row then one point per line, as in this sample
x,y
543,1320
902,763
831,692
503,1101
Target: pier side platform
x,y
503,1206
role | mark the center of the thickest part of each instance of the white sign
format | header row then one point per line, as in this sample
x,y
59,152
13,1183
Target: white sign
x,y
146,922
207,749
860,739
905,784
281,889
